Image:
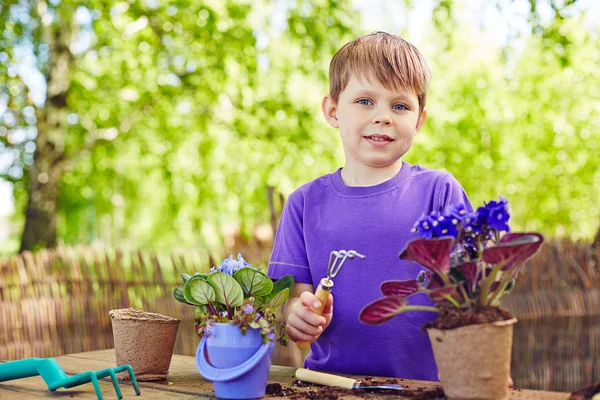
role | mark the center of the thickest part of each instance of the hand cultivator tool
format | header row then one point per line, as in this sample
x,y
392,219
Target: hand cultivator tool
x,y
336,262
55,377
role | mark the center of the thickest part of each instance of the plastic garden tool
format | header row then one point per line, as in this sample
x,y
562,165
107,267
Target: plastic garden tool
x,y
55,377
336,262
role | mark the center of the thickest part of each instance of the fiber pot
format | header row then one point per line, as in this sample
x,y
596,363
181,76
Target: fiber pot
x,y
145,341
474,361
237,364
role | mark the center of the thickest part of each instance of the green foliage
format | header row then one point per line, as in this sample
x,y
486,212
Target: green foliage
x,y
253,282
182,113
235,292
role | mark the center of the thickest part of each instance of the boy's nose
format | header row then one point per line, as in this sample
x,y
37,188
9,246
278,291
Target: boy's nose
x,y
382,120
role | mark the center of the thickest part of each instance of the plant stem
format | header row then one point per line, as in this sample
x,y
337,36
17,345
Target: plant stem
x,y
500,289
453,301
488,283
464,294
420,308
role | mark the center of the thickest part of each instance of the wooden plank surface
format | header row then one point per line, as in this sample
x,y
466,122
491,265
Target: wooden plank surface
x,y
185,382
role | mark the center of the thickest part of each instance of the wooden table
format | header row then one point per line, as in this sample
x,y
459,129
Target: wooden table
x,y
184,382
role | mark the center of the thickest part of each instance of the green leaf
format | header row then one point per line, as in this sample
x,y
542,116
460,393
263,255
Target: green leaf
x,y
281,291
253,282
178,295
278,299
200,311
227,290
457,275
197,291
286,281
185,277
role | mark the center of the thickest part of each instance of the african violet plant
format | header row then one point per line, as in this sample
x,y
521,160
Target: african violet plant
x,y
472,260
236,293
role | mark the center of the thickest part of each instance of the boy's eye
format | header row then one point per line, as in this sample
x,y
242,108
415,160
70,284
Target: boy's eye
x,y
364,102
400,107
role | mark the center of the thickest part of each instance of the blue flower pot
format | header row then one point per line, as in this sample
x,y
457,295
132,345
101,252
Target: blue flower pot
x,y
238,365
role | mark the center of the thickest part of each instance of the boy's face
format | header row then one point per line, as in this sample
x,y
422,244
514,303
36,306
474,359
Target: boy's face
x,y
377,126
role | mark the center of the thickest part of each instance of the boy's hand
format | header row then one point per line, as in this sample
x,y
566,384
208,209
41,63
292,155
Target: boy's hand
x,y
305,325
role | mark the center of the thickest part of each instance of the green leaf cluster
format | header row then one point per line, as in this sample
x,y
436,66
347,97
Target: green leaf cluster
x,y
249,298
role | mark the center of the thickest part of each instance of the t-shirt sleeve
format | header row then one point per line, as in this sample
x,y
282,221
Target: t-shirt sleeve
x,y
289,250
451,192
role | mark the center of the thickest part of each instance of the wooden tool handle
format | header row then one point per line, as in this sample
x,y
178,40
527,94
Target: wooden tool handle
x,y
321,378
322,294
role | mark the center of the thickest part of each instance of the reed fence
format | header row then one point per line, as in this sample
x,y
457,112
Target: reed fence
x,y
56,302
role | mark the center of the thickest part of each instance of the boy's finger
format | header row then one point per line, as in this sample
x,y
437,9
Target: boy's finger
x,y
304,327
310,317
296,335
309,300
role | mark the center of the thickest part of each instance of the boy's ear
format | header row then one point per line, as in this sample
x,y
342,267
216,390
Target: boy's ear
x,y
421,120
330,111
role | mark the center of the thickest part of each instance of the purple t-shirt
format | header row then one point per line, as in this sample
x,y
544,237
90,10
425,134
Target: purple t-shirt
x,y
325,215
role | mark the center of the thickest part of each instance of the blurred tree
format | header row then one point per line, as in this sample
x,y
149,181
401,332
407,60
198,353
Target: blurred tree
x,y
156,111
162,122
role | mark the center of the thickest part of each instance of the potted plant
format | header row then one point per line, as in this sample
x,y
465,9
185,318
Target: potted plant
x,y
471,260
234,313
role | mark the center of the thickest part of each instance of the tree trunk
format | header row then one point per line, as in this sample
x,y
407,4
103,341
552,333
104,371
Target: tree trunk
x,y
46,171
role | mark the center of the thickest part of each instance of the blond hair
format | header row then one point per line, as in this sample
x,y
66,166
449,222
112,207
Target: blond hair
x,y
389,59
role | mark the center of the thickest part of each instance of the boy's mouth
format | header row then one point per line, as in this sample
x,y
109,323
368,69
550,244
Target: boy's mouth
x,y
380,138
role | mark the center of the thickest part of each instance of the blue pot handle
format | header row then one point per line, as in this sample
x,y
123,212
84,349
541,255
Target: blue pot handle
x,y
218,374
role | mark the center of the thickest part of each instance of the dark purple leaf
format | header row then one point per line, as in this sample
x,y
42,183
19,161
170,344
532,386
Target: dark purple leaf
x,y
439,295
399,288
433,254
381,310
469,270
513,249
434,281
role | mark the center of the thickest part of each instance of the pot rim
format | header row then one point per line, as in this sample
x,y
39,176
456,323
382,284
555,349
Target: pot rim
x,y
134,314
465,328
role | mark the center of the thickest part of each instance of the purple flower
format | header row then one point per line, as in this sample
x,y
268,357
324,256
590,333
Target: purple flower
x,y
498,215
456,212
248,309
230,266
471,223
444,226
424,227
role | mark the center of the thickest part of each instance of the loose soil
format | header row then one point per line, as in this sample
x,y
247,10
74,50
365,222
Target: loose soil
x,y
586,393
451,317
319,392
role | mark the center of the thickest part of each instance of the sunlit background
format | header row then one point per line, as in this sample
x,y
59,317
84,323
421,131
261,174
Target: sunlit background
x,y
182,126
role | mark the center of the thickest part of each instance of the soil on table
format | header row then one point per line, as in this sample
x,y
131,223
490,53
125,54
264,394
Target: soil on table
x,y
451,317
311,391
586,393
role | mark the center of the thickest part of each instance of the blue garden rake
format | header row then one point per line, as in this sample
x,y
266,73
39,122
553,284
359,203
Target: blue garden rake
x,y
55,377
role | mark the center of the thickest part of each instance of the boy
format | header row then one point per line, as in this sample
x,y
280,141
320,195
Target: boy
x,y
378,86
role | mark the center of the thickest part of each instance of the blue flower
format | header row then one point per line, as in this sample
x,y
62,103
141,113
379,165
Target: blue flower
x,y
472,222
498,215
445,226
424,227
456,212
230,266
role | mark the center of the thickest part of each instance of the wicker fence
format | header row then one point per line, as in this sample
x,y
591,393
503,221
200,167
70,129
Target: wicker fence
x,y
56,301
